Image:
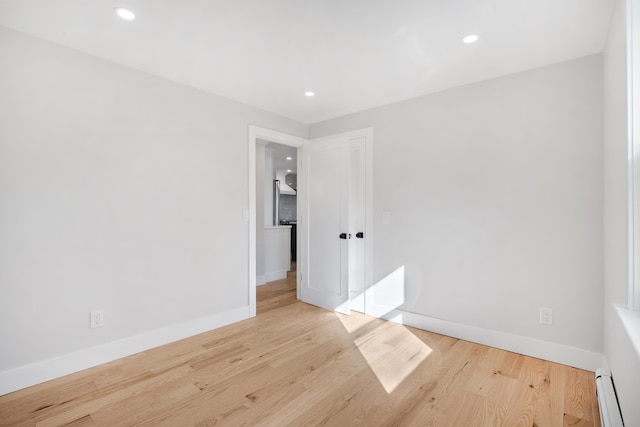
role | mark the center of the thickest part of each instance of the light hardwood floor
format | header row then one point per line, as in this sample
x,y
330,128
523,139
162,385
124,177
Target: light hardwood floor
x,y
298,365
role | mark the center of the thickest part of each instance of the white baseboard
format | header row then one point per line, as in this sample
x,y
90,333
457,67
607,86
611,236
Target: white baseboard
x,y
271,276
36,373
559,353
39,372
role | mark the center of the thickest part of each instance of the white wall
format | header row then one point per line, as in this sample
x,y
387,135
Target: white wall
x,y
495,192
618,350
115,194
277,254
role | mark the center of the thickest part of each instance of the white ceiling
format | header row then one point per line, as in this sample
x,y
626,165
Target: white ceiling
x,y
355,54
280,153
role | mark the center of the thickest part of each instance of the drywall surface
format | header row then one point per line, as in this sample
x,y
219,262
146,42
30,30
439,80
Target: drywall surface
x,y
619,352
494,193
616,159
115,194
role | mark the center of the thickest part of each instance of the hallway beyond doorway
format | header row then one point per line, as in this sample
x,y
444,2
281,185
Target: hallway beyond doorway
x,y
278,293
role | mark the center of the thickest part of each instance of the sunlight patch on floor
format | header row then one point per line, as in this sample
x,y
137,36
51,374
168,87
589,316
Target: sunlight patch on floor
x,y
392,354
354,321
390,349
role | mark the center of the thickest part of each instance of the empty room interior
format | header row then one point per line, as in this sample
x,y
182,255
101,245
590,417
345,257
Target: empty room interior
x,y
297,212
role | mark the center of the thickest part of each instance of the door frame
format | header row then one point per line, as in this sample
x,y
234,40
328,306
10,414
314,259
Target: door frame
x,y
255,133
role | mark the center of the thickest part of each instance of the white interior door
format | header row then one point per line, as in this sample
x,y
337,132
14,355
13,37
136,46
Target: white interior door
x,y
357,224
326,279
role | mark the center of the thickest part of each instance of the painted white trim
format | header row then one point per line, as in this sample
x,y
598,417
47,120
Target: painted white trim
x,y
302,262
633,117
39,372
630,319
369,236
255,133
546,350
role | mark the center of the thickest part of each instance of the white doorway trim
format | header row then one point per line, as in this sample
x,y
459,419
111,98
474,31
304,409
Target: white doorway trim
x,y
255,133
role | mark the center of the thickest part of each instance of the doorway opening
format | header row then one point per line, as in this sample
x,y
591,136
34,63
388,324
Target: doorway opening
x,y
328,221
265,214
277,294
276,211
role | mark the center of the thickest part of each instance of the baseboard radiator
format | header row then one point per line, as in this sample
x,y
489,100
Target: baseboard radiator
x,y
610,415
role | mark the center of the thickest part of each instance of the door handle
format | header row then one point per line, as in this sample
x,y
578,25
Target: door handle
x,y
360,235
345,236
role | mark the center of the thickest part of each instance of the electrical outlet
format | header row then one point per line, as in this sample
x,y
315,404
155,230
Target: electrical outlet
x,y
386,218
546,316
96,319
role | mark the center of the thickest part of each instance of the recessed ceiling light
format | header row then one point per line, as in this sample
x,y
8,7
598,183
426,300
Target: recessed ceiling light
x,y
289,158
288,170
125,13
309,93
471,38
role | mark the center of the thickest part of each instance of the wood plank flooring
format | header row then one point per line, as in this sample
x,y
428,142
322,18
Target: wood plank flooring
x,y
277,294
298,365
